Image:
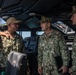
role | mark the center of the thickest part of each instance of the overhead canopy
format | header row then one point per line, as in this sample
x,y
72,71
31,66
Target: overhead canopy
x,y
30,11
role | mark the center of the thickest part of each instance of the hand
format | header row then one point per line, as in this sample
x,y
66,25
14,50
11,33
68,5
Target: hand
x,y
40,70
64,69
70,71
5,33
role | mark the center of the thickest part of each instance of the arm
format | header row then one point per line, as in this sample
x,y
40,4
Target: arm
x,y
22,45
1,33
64,50
40,56
64,53
74,56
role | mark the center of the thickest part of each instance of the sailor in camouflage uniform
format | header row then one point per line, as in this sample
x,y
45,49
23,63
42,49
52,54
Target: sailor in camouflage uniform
x,y
73,19
10,41
51,45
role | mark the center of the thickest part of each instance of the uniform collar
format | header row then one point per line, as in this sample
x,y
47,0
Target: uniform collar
x,y
49,34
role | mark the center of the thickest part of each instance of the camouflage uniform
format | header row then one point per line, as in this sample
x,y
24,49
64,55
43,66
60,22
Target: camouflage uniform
x,y
74,57
50,47
7,45
73,68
